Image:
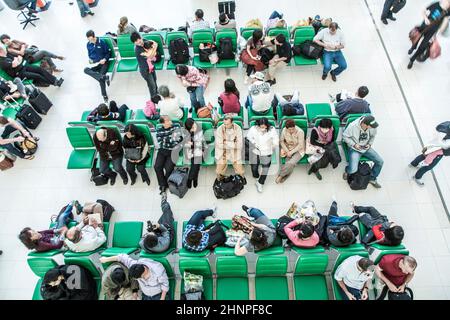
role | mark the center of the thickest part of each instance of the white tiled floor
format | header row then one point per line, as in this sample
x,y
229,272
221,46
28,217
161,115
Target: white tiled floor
x,y
33,191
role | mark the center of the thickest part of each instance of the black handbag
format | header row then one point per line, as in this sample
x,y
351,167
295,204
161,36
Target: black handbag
x,y
406,295
133,153
98,178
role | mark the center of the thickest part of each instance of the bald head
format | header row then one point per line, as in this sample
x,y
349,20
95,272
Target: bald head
x,y
101,134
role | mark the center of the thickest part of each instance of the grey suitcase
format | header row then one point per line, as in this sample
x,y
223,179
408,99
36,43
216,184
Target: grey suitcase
x,y
178,182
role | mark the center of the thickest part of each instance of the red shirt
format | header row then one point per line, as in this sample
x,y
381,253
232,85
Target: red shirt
x,y
391,270
231,103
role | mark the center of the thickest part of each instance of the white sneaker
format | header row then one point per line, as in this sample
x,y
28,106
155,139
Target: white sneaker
x,y
259,187
332,98
214,209
419,181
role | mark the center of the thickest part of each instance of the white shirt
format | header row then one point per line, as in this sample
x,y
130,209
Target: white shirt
x,y
326,37
349,273
170,107
437,143
262,96
91,239
264,141
197,25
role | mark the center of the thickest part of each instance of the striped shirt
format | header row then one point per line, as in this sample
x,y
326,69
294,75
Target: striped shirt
x,y
169,138
204,241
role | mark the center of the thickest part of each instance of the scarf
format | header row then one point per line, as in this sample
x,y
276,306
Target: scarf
x,y
325,138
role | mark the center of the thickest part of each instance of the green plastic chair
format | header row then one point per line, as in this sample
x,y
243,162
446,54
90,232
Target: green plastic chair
x,y
317,109
159,40
239,117
302,123
172,247
199,266
198,37
37,291
9,112
252,115
227,63
246,33
273,32
128,61
302,34
83,153
309,277
171,36
342,256
113,58
363,231
127,235
232,278
281,117
40,265
270,281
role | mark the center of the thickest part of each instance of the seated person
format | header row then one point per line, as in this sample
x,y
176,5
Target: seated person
x,y
161,234
12,134
117,284
353,277
293,107
11,90
136,153
396,271
103,113
198,24
292,141
197,237
225,23
260,95
151,111
283,55
229,99
322,148
125,27
151,275
86,236
380,230
348,103
170,105
58,284
335,230
303,235
262,236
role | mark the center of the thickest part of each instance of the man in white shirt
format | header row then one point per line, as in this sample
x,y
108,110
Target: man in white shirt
x,y
198,23
151,275
353,277
260,94
332,40
85,237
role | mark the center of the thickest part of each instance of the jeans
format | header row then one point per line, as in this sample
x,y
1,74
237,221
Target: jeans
x,y
117,165
198,218
37,74
98,73
45,55
64,217
265,162
131,169
150,78
197,98
419,174
260,217
84,8
20,87
387,9
164,163
370,154
155,297
330,57
369,219
250,69
355,292
167,219
275,14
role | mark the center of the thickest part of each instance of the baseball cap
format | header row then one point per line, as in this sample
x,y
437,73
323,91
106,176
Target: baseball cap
x,y
258,75
370,121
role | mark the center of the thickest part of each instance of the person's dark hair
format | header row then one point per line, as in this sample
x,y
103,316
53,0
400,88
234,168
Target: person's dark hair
x,y
52,275
257,35
345,235
150,240
134,130
118,276
230,87
306,230
189,124
199,13
156,98
135,36
181,69
136,271
222,17
4,37
162,119
25,237
290,123
263,121
258,239
103,110
394,235
363,91
281,38
3,120
333,25
325,123
194,238
90,33
365,263
147,44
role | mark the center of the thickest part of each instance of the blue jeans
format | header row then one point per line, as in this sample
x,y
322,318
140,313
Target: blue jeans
x,y
275,14
355,292
330,57
64,217
199,217
197,98
353,161
84,8
255,213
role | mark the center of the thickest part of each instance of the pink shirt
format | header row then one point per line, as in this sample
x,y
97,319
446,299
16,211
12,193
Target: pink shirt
x,y
231,103
298,242
195,77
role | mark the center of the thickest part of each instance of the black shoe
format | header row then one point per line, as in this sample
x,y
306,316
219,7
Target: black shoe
x,y
333,77
125,181
324,76
244,181
147,181
105,99
318,175
108,82
245,208
410,64
90,13
310,171
195,183
112,181
189,183
162,190
59,82
133,181
392,18
410,51
384,21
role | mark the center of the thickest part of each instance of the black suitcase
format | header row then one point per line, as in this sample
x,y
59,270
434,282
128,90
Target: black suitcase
x,y
29,116
227,7
39,101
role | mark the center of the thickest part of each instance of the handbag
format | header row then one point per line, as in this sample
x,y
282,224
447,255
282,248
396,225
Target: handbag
x,y
205,112
241,223
133,153
28,146
414,35
5,162
435,49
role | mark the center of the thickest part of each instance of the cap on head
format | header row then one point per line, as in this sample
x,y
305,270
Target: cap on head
x,y
370,121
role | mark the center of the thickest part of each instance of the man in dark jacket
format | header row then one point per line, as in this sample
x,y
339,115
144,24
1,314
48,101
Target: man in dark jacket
x,y
350,105
109,147
149,77
99,54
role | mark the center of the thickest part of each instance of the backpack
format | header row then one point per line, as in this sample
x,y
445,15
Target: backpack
x,y
406,295
281,223
225,49
311,50
296,50
98,178
228,187
108,209
179,51
178,182
360,179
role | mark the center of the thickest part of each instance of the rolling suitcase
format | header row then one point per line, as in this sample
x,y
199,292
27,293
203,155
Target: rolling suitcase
x,y
39,101
29,116
227,7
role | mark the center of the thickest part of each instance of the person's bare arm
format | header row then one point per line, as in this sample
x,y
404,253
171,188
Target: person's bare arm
x,y
238,250
382,277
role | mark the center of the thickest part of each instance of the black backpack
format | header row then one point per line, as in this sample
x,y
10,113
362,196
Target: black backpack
x,y
98,178
311,50
228,187
296,50
406,295
225,50
108,209
204,54
179,51
281,223
360,179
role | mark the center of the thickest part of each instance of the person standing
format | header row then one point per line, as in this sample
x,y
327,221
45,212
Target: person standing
x,y
387,11
84,8
99,54
149,76
193,149
332,40
195,82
